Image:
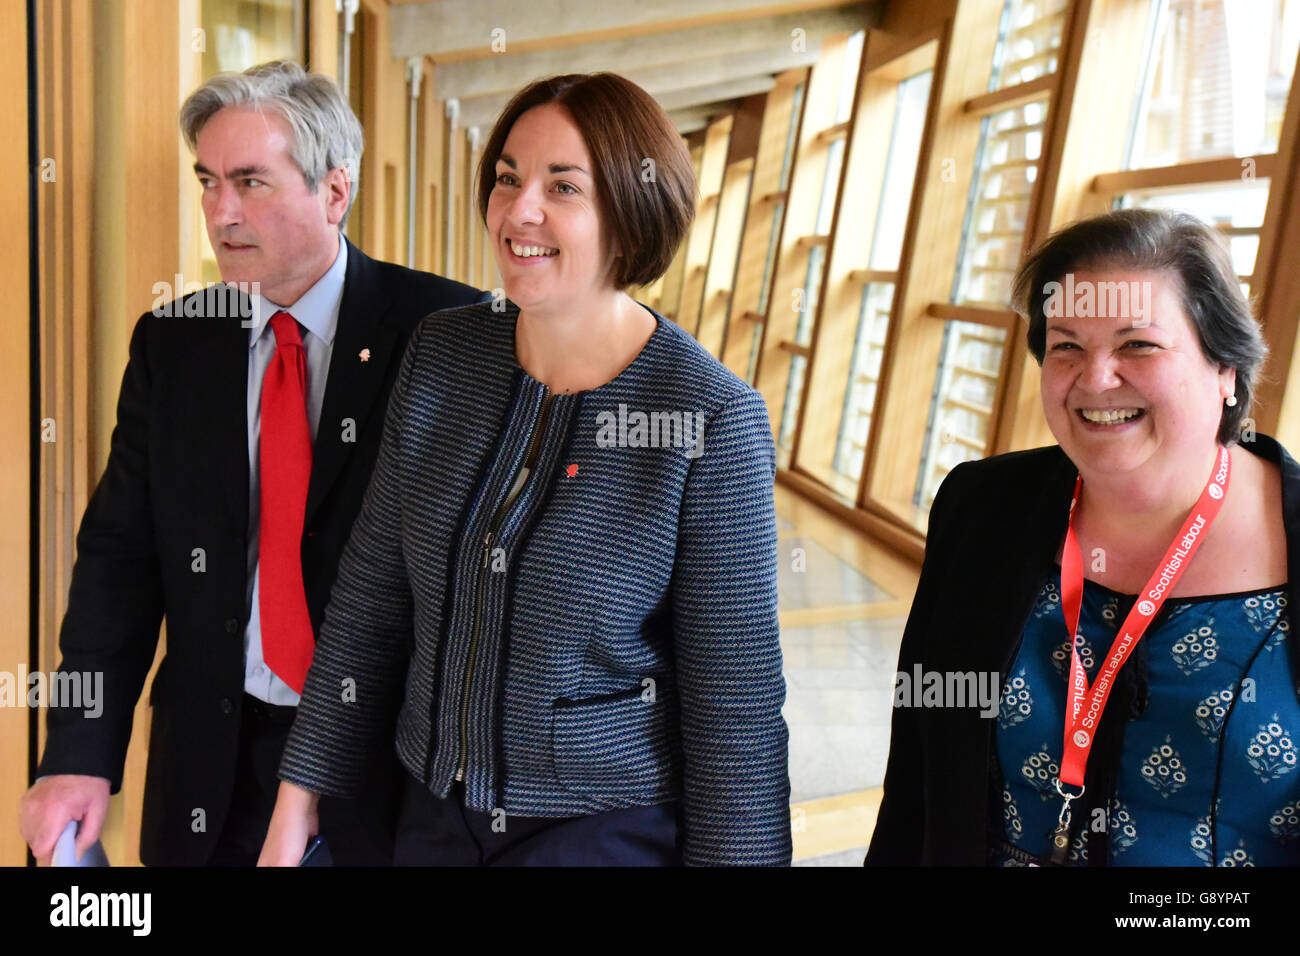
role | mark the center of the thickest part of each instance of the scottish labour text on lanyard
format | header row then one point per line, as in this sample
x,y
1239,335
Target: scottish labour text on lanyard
x,y
1086,704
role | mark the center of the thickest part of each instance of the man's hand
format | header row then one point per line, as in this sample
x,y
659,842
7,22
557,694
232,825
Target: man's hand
x,y
52,801
293,822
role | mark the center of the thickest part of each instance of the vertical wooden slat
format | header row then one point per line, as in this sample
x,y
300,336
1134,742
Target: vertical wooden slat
x,y
699,243
428,238
1277,280
15,420
391,239
722,257
323,38
64,114
152,93
719,288
433,230
464,175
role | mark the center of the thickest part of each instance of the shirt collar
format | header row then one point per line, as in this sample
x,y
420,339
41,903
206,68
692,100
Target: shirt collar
x,y
317,309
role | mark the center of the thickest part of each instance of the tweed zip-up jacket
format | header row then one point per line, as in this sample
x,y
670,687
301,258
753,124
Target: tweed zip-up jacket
x,y
607,639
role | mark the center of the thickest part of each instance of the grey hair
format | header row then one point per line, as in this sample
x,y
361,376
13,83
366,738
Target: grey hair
x,y
326,133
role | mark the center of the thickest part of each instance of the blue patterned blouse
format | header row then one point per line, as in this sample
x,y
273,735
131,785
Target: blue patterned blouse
x,y
1220,730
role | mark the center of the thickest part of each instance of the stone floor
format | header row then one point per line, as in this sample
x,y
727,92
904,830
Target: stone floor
x,y
843,604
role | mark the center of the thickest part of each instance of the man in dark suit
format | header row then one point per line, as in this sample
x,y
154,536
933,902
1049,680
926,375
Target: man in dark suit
x,y
243,448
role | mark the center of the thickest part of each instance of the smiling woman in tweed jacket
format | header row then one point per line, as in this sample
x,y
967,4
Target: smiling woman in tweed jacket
x,y
565,566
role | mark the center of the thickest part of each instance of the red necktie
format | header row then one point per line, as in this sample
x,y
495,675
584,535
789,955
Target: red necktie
x,y
285,456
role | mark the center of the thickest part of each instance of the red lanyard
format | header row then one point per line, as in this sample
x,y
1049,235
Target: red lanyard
x,y
1086,704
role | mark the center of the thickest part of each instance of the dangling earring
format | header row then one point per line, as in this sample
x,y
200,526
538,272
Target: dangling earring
x,y
1230,401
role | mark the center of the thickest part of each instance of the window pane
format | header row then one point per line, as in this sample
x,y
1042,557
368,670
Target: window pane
x,y
1029,43
849,78
752,370
773,237
778,217
1006,167
754,343
864,373
962,404
796,110
830,186
1217,77
242,33
1236,208
877,297
809,302
812,288
900,170
793,393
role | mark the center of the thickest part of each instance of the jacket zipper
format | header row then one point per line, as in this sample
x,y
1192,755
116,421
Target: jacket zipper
x,y
493,526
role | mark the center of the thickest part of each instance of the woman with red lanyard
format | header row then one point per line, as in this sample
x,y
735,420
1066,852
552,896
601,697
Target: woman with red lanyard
x,y
1130,587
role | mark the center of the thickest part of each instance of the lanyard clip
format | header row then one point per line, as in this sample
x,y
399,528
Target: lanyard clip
x,y
1061,835
1064,819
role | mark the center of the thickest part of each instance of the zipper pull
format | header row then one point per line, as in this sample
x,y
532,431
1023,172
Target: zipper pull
x,y
487,549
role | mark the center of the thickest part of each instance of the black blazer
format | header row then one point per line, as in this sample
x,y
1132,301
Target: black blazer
x,y
177,481
994,530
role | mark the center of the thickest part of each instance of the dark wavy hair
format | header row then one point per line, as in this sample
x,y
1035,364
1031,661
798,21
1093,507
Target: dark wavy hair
x,y
1164,241
623,127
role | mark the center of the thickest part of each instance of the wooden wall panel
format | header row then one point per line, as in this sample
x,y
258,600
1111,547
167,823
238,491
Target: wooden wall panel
x,y
386,115
15,424
722,259
323,38
1277,286
699,244
108,91
428,215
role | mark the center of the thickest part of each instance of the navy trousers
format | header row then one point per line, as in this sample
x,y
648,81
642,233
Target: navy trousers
x,y
263,729
435,832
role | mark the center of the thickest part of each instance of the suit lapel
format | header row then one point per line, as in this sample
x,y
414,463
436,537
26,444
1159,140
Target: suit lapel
x,y
353,384
225,360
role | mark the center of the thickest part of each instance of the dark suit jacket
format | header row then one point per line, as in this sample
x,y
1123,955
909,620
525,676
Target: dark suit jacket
x,y
994,530
177,481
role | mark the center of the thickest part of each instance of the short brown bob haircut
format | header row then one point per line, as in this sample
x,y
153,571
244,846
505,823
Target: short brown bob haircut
x,y
1156,240
645,180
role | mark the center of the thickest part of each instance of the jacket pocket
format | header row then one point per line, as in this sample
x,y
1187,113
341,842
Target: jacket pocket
x,y
621,749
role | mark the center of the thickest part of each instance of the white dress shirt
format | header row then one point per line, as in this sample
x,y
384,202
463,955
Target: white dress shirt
x,y
318,313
